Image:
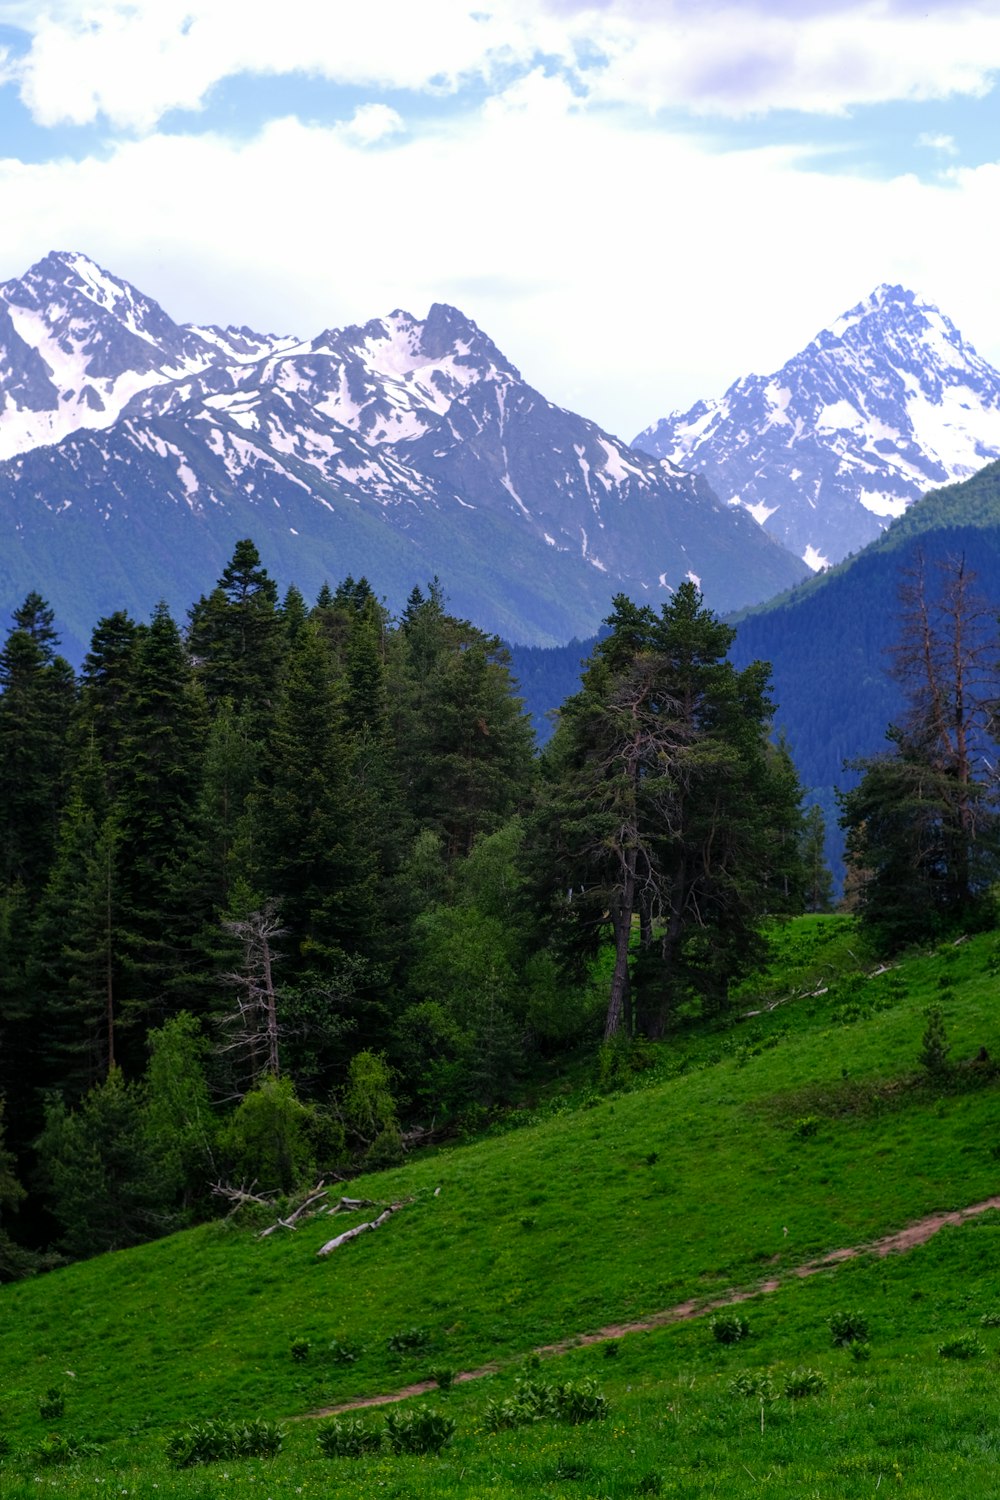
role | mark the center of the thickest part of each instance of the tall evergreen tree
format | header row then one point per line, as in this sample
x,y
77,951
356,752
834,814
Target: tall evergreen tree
x,y
665,808
923,822
159,786
464,741
236,635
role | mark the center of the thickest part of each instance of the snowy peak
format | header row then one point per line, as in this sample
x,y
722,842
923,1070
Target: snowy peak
x,y
77,344
886,403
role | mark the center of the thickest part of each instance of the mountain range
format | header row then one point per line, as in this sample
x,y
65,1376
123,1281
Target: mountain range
x,y
134,452
889,402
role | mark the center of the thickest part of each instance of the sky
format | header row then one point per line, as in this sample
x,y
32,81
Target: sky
x,y
639,201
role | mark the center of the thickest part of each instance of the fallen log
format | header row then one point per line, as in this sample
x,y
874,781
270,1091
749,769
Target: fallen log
x,y
291,1221
352,1234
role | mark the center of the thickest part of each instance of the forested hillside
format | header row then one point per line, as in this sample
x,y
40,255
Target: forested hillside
x,y
287,886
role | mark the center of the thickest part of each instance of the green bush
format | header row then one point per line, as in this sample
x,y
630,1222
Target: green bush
x,y
407,1339
52,1404
804,1382
443,1376
345,1351
746,1385
729,1328
990,1320
299,1350
537,1400
348,1438
420,1431
806,1127
966,1346
848,1328
580,1403
206,1442
57,1449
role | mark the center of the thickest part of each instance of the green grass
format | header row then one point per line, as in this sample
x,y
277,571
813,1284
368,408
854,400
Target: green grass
x,y
698,1181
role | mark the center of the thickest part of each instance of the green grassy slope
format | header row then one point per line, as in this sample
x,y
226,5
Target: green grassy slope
x,y
742,1156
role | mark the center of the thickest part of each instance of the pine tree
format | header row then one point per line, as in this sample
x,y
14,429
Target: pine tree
x,y
667,812
236,635
923,822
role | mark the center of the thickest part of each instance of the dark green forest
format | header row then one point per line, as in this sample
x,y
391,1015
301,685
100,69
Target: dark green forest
x,y
287,887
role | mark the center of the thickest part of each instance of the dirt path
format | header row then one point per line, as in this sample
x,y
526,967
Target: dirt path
x,y
903,1239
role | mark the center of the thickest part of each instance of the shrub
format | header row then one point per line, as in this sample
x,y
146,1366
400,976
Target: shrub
x,y
345,1351
536,1400
806,1127
57,1449
990,1320
443,1376
300,1350
348,1438
580,1403
729,1328
407,1339
420,1431
804,1382
934,1048
966,1346
52,1404
746,1385
848,1328
860,1352
205,1442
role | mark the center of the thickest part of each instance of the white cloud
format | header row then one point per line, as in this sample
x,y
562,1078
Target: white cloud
x,y
372,123
626,271
131,61
935,142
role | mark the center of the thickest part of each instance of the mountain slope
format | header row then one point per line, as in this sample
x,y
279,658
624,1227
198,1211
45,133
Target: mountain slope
x,y
399,449
886,403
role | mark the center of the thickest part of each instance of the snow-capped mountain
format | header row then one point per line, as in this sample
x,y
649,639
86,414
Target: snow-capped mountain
x,y
886,404
76,344
399,449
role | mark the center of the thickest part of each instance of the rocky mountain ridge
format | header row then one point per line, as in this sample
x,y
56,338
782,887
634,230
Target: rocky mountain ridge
x,y
889,402
138,449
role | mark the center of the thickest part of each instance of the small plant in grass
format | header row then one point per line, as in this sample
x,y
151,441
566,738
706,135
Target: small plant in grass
x,y
804,1382
528,1221
52,1404
649,1484
966,1346
990,1320
443,1377
300,1350
57,1449
206,1442
848,1328
4,1445
345,1351
805,1127
746,1385
348,1438
407,1340
537,1400
420,1431
582,1402
612,1349
861,1352
934,1048
729,1328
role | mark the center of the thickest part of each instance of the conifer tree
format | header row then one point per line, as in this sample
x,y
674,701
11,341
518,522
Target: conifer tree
x,y
665,807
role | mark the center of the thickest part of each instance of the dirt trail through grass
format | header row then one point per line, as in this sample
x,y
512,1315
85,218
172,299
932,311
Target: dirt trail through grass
x,y
903,1239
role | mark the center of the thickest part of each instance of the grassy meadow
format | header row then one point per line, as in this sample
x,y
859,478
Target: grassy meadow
x,y
739,1154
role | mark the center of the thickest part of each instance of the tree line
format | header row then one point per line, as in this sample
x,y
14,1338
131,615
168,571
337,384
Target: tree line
x,y
286,883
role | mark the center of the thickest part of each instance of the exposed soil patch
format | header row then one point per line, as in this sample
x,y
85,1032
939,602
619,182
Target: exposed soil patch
x,y
903,1239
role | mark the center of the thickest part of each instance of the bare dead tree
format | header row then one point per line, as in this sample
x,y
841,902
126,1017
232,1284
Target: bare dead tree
x,y
252,1027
